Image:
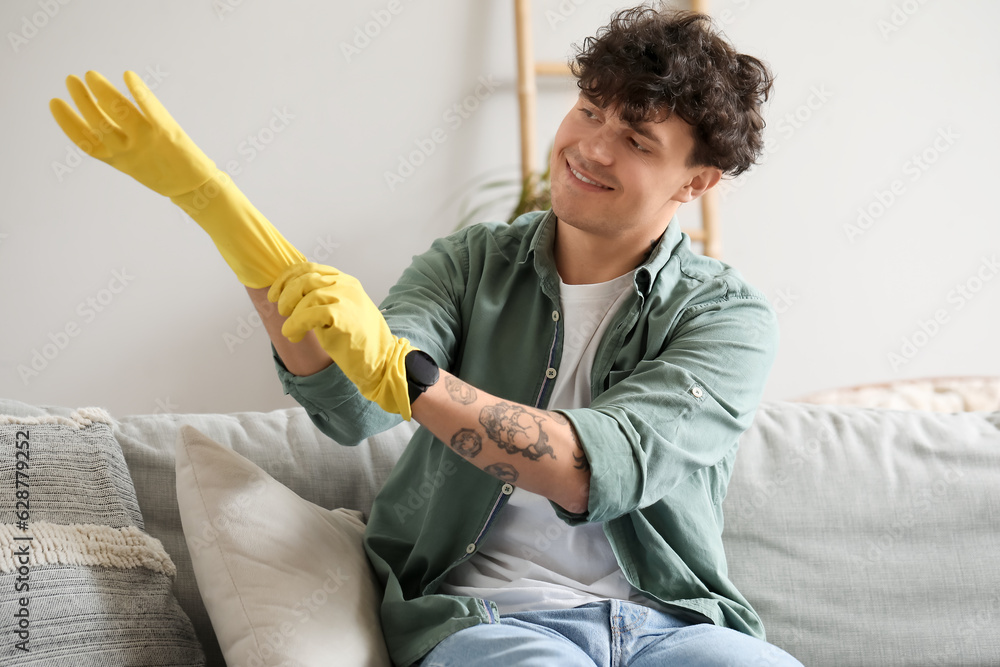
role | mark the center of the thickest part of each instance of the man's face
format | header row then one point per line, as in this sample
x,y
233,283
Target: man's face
x,y
618,180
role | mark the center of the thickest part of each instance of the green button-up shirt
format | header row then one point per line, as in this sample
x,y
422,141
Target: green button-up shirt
x,y
676,380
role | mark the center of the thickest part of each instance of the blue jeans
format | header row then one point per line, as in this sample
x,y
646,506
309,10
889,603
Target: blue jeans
x,y
610,633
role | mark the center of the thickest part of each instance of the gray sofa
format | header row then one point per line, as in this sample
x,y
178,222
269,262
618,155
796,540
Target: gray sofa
x,y
862,536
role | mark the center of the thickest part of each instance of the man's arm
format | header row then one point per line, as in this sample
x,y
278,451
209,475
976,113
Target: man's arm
x,y
535,449
303,358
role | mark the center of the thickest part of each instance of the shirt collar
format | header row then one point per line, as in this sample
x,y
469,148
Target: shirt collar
x,y
542,243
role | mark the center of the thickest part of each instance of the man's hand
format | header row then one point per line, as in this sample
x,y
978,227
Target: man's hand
x,y
151,147
349,327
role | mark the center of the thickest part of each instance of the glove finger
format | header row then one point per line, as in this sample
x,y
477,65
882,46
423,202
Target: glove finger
x,y
308,287
121,111
293,272
95,117
77,129
155,112
304,320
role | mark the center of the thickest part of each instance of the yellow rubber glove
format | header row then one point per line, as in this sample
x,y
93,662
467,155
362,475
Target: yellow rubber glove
x,y
151,147
349,327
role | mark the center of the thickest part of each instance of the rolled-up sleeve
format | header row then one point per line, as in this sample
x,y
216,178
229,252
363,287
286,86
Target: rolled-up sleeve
x,y
334,404
679,412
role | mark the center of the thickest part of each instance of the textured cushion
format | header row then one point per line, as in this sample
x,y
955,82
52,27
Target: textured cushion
x,y
284,443
868,536
284,580
92,587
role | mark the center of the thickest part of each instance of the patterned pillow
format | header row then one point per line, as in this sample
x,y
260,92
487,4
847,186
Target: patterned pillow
x,y
82,582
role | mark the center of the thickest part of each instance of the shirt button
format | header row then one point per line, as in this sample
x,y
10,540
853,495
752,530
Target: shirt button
x,y
697,392
507,489
551,373
469,549
555,315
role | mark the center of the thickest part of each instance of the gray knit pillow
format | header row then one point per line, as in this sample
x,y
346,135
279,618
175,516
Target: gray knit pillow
x,y
83,583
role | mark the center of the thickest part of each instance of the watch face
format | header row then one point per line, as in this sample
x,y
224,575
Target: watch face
x,y
421,369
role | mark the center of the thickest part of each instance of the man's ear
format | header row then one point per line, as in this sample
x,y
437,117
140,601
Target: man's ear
x,y
703,180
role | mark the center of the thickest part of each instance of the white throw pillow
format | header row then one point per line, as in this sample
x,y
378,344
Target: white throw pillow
x,y
285,582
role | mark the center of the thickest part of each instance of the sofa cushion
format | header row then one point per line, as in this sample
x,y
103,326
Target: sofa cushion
x,y
83,583
284,443
284,580
869,536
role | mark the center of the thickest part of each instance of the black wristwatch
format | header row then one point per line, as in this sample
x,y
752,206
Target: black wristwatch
x,y
421,372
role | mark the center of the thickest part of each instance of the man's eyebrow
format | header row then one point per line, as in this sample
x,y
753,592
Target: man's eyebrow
x,y
642,129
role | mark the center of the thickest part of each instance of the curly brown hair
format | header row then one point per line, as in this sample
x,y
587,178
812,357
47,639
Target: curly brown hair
x,y
648,60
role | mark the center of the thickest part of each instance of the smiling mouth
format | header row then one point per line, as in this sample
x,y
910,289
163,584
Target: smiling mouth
x,y
586,180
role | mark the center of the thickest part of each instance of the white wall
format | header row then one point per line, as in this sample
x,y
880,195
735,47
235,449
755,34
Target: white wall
x,y
853,105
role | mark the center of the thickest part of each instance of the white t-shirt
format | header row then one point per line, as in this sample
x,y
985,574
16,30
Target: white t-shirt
x,y
532,559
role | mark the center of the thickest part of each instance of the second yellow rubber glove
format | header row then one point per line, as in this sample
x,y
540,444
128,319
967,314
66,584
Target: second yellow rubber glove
x,y
349,327
151,147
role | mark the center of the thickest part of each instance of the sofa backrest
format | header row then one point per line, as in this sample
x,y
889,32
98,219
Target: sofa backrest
x,y
870,537
861,536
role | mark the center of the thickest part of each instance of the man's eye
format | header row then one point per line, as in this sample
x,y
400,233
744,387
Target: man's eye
x,y
638,146
587,112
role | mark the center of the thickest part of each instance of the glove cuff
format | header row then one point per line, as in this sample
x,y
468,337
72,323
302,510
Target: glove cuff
x,y
392,392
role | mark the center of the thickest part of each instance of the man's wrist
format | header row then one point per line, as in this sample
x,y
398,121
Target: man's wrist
x,y
422,372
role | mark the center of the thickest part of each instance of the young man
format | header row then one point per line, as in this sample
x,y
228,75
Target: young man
x,y
581,378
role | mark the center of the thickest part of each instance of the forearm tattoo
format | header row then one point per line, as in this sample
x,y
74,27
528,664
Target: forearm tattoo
x,y
460,392
505,472
467,442
580,461
516,430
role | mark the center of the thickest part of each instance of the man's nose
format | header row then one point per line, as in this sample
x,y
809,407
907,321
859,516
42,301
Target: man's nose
x,y
597,146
